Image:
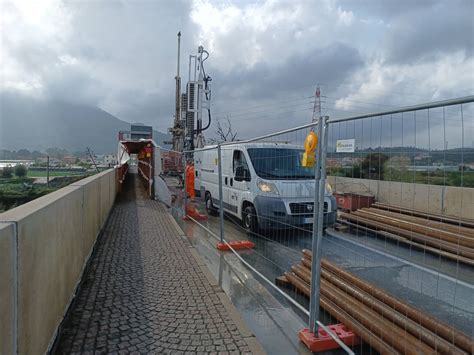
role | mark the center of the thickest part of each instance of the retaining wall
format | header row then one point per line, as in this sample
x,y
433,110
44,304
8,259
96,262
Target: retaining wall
x,y
448,200
44,246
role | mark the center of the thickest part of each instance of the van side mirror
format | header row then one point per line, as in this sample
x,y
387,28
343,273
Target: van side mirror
x,y
241,174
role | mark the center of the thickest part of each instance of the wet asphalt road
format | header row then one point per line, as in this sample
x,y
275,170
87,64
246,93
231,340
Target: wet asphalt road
x,y
442,288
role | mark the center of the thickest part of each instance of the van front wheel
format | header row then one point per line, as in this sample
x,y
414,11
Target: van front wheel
x,y
249,217
211,210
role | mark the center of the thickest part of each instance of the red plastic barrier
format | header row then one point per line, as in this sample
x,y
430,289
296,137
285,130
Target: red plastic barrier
x,y
191,211
324,341
236,245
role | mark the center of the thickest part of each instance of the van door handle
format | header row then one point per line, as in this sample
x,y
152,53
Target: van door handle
x,y
231,182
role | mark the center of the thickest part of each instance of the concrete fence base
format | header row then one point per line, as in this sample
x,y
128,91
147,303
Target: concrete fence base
x,y
44,246
448,200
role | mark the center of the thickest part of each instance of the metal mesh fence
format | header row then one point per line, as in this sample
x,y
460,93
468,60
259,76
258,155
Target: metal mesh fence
x,y
396,256
405,200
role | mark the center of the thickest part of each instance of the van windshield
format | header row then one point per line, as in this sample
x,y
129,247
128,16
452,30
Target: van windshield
x,y
279,163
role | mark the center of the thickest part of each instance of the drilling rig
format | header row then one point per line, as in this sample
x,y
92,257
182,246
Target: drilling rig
x,y
198,95
187,130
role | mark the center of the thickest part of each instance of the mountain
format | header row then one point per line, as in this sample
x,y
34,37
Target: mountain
x,y
38,124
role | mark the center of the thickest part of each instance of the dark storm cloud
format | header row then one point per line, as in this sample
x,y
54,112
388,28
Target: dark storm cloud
x,y
121,55
276,86
111,54
420,30
429,33
332,63
132,47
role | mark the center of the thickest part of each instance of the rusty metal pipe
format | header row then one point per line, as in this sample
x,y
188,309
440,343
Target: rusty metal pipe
x,y
433,340
465,222
388,331
402,321
434,325
447,246
302,274
449,334
424,221
298,283
405,240
424,230
366,335
306,263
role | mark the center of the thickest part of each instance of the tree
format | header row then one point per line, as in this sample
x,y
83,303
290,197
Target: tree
x,y
20,170
224,134
372,166
57,153
7,172
23,154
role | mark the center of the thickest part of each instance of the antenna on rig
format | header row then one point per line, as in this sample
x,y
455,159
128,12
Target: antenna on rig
x,y
198,93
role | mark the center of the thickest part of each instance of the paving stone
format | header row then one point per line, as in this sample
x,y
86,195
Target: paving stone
x,y
143,291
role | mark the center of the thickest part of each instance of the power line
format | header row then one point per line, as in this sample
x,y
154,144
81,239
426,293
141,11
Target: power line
x,y
272,116
263,105
269,110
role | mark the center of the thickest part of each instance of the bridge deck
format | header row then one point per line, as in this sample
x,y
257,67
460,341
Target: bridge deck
x,y
143,291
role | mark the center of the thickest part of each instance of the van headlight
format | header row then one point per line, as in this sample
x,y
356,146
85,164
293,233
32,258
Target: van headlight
x,y
328,188
267,187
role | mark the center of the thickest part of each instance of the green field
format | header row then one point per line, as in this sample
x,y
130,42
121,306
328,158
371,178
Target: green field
x,y
52,173
17,191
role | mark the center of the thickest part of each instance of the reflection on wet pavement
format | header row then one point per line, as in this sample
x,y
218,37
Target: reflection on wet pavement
x,y
438,287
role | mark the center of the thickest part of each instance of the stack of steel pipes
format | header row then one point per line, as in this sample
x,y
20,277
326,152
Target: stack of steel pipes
x,y
382,321
446,236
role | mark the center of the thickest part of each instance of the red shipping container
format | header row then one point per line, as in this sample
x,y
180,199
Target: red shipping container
x,y
352,202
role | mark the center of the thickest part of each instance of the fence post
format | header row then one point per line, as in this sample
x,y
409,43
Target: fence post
x,y
221,208
318,220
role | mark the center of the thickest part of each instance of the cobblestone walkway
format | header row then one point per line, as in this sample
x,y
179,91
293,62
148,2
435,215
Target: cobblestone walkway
x,y
144,292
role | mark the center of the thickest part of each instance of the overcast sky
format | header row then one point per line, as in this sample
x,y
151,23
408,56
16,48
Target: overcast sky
x,y
265,57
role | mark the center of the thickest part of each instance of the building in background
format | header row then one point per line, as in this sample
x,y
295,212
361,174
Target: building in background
x,y
139,131
110,159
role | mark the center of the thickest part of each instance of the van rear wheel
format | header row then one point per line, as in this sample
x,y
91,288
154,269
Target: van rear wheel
x,y
211,210
250,221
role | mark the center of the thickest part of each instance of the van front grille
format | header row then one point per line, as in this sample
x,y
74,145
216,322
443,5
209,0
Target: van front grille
x,y
305,207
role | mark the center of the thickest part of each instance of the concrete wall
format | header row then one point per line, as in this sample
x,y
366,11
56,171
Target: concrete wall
x,y
452,201
7,288
54,237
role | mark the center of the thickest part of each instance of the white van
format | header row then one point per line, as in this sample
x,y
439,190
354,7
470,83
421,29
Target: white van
x,y
263,184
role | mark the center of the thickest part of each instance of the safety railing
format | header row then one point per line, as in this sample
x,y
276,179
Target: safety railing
x,y
366,220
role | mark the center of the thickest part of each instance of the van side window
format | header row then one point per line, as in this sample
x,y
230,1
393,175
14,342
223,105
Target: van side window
x,y
239,160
